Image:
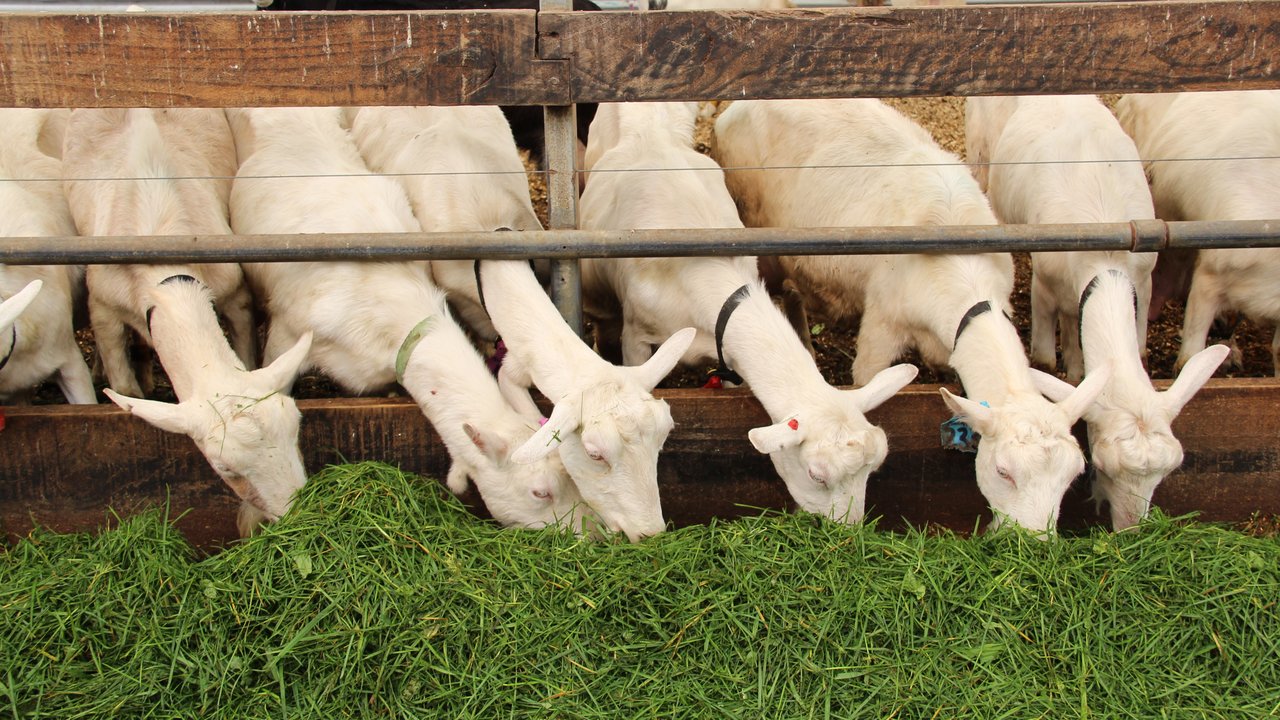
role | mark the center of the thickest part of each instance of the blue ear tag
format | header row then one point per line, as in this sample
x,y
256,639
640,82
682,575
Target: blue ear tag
x,y
956,435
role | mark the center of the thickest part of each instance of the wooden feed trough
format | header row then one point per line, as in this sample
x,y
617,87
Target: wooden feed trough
x,y
62,466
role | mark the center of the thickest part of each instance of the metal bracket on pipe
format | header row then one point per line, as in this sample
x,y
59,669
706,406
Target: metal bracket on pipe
x,y
1149,235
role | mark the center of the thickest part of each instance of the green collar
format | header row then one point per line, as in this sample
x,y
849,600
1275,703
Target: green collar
x,y
411,341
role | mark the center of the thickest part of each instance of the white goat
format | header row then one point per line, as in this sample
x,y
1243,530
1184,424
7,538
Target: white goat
x,y
1062,159
379,323
136,172
13,306
462,172
859,162
1065,159
606,425
1210,156
827,455
41,341
152,172
244,422
1131,439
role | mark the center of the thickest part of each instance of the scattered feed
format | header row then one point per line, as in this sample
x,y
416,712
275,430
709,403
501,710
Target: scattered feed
x,y
381,596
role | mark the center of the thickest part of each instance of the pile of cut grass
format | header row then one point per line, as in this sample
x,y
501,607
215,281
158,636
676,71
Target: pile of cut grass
x,y
381,596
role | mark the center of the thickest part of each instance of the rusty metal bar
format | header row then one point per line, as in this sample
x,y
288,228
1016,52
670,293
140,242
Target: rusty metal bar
x,y
1148,235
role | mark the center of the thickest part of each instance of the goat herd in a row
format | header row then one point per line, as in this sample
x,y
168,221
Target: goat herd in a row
x,y
592,464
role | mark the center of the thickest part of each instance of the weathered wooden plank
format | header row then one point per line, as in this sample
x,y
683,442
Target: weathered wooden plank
x,y
891,52
519,57
274,59
63,466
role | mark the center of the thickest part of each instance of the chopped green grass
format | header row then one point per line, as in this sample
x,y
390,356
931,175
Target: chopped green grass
x,y
379,595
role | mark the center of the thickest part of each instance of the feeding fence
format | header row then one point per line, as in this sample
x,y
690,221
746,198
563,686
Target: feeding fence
x,y
61,465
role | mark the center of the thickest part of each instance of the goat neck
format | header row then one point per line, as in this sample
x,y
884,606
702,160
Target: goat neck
x,y
820,442
455,390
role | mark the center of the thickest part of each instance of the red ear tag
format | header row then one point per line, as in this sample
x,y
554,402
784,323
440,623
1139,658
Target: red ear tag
x,y
714,383
794,424
1,419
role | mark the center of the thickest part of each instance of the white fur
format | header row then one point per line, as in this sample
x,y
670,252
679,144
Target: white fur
x,y
1059,160
148,172
151,172
1065,159
826,459
361,313
1188,141
867,164
606,425
462,172
34,206
244,422
1131,439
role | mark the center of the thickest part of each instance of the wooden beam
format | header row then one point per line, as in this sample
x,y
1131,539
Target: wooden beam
x,y
894,52
274,59
520,57
64,466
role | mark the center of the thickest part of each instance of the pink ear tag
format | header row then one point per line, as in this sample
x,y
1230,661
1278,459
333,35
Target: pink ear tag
x,y
794,424
542,421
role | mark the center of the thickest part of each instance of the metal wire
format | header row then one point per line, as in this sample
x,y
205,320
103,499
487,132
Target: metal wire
x,y
732,168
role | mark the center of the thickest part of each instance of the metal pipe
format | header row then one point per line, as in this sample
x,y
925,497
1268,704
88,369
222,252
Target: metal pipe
x,y
1143,236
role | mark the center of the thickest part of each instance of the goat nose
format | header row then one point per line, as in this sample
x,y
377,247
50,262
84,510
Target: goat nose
x,y
637,533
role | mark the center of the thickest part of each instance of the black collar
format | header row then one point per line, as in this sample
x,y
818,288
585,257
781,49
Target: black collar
x,y
167,281
973,312
480,286
13,344
476,265
1088,290
722,370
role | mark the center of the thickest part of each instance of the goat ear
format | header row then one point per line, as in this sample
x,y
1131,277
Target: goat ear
x,y
1057,389
883,386
10,309
166,416
1086,393
778,436
664,358
1194,375
494,446
281,373
1051,386
565,418
974,414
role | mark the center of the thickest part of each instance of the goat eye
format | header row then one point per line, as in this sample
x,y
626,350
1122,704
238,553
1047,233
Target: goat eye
x,y
541,494
596,455
818,479
1005,475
